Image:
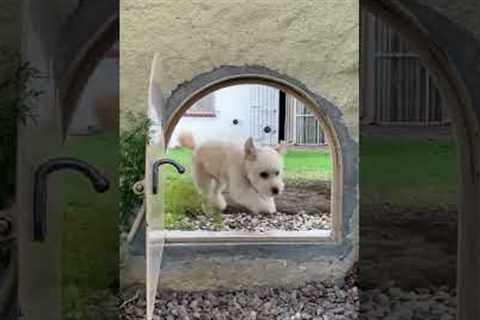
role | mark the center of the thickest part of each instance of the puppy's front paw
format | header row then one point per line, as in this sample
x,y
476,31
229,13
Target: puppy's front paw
x,y
267,209
221,204
271,208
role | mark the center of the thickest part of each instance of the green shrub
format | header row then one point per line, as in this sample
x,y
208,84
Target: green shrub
x,y
181,200
15,105
132,164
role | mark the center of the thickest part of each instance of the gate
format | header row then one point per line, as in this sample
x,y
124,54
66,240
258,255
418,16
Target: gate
x,y
404,90
264,114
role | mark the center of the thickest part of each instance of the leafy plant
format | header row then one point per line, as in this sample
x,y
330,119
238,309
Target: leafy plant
x,y
181,200
132,163
16,99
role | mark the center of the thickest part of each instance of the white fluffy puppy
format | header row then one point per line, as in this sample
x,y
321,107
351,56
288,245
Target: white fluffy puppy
x,y
251,174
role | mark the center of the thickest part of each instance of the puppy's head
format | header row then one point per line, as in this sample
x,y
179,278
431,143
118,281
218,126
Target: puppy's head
x,y
264,167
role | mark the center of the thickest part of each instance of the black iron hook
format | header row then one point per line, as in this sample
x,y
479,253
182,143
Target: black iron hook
x,y
157,164
99,183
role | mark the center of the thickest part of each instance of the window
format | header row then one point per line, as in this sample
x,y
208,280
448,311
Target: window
x,y
205,107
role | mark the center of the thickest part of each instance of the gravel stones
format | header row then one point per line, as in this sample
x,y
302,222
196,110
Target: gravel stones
x,y
419,304
245,221
304,205
315,301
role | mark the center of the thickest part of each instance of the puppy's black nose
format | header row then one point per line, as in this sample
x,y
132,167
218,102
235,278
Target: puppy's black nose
x,y
275,190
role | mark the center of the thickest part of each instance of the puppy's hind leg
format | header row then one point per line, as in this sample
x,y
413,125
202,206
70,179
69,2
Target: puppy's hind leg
x,y
217,195
208,187
202,179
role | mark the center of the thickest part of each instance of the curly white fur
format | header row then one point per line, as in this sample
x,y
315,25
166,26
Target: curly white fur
x,y
251,174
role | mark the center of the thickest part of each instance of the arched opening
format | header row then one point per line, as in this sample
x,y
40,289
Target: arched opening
x,y
328,117
418,25
234,113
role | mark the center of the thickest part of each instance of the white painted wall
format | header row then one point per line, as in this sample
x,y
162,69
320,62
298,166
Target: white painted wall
x,y
230,103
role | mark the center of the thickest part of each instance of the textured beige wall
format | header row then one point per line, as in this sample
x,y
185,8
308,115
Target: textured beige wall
x,y
315,42
10,23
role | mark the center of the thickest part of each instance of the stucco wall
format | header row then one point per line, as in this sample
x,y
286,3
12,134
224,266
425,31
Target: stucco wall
x,y
9,23
315,42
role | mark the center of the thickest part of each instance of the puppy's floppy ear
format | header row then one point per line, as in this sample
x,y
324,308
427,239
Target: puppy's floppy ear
x,y
281,148
250,151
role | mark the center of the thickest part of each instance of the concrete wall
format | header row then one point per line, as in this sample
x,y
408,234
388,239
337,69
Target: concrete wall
x,y
319,49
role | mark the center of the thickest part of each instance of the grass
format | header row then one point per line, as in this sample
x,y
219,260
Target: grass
x,y
308,164
408,172
90,233
181,198
303,163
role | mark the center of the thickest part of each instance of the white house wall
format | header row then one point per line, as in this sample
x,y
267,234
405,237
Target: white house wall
x,y
230,103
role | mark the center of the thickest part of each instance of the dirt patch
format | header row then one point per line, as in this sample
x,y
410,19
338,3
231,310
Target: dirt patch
x,y
409,248
312,197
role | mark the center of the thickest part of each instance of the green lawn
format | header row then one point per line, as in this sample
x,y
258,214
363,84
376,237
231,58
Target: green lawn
x,y
182,199
90,233
408,172
304,163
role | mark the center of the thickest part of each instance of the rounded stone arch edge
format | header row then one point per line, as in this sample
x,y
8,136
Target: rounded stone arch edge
x,y
76,63
344,147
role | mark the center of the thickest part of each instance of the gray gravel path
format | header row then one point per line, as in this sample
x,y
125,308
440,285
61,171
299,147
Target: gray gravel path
x,y
314,301
304,205
245,221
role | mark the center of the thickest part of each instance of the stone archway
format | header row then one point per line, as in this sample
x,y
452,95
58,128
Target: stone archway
x,y
329,115
213,254
424,27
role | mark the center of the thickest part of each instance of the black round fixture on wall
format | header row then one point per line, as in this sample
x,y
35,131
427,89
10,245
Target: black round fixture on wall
x,y
235,121
267,129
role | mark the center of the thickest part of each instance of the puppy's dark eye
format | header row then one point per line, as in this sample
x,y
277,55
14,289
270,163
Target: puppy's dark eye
x,y
277,173
264,175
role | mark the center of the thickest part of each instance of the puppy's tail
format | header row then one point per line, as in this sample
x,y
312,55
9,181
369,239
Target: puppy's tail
x,y
186,140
